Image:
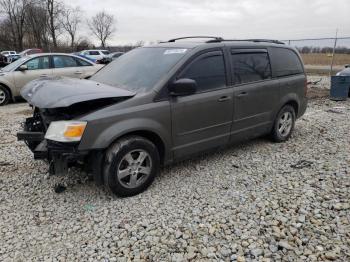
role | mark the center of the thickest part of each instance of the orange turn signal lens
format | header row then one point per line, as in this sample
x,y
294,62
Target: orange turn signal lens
x,y
74,131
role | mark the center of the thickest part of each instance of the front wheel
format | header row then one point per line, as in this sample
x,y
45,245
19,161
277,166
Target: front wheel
x,y
4,96
284,124
131,165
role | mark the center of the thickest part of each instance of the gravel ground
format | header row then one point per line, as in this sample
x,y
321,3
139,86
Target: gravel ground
x,y
257,201
319,86
319,81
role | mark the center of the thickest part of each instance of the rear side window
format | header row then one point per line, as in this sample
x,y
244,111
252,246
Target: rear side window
x,y
250,67
286,62
208,71
64,61
82,62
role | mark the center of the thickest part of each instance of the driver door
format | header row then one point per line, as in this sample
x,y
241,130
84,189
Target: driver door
x,y
38,67
203,120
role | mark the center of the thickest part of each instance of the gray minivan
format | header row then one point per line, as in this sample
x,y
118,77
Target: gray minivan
x,y
163,103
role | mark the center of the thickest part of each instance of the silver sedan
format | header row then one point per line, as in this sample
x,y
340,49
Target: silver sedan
x,y
14,76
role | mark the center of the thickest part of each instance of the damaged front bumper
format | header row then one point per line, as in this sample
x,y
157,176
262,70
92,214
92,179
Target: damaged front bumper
x,y
60,155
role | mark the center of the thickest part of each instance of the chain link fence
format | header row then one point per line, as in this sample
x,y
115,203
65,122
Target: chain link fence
x,y
323,55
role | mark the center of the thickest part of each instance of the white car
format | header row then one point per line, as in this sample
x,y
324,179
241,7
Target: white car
x,y
14,76
10,56
96,55
6,53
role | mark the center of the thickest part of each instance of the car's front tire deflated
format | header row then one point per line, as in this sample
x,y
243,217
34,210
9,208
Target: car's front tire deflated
x,y
131,165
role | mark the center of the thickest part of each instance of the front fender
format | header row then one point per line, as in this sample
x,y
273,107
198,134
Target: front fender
x,y
105,138
7,84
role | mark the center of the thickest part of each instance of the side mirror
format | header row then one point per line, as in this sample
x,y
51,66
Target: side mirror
x,y
183,87
347,66
23,68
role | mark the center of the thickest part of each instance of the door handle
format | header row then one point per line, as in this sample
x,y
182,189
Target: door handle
x,y
224,98
43,75
242,94
78,72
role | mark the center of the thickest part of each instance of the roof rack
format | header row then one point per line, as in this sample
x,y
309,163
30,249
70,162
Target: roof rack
x,y
216,39
263,40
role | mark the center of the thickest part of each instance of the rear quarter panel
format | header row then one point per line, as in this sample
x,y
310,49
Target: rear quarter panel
x,y
292,87
91,70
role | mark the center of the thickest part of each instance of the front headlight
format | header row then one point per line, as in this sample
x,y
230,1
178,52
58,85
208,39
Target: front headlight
x,y
66,131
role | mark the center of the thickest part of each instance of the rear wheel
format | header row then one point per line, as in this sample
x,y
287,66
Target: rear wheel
x,y
284,124
131,165
4,96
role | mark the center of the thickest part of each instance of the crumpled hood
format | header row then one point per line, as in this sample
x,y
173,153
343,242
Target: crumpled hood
x,y
58,92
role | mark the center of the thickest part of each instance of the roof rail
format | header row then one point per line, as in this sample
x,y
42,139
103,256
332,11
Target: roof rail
x,y
214,38
267,41
257,40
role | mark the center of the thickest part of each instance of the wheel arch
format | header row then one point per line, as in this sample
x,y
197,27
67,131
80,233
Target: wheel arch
x,y
294,104
149,135
292,100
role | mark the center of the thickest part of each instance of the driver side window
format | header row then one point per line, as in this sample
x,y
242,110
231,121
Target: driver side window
x,y
208,71
38,63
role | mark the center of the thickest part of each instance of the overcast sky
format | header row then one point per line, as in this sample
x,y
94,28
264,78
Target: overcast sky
x,y
152,20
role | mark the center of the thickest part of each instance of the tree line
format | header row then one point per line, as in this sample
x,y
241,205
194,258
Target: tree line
x,y
50,25
323,50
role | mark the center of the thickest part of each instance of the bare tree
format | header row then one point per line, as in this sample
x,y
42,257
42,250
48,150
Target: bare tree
x,y
70,22
6,37
54,10
16,15
139,43
83,43
102,25
36,25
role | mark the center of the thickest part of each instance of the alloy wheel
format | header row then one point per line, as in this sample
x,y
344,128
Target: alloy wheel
x,y
134,168
285,124
2,96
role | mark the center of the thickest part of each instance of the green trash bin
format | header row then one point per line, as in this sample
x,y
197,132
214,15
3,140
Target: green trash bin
x,y
340,86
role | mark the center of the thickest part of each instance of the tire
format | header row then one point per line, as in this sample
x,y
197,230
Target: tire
x,y
4,96
284,124
131,164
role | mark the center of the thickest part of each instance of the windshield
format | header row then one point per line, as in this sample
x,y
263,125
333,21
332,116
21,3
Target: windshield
x,y
140,69
105,52
14,65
